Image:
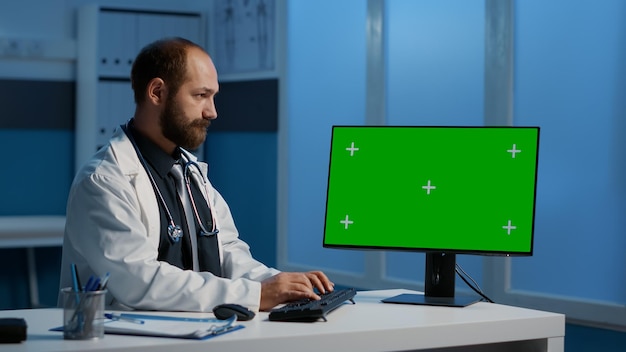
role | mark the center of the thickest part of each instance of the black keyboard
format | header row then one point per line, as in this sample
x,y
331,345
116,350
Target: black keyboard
x,y
307,310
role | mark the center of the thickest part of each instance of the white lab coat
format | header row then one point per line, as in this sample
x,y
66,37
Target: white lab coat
x,y
113,225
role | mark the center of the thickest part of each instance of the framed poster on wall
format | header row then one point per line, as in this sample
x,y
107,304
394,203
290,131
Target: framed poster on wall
x,y
243,36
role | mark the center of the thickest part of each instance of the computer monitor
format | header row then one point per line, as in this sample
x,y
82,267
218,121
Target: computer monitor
x,y
439,190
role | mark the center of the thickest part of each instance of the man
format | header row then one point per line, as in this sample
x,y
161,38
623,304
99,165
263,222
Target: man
x,y
125,217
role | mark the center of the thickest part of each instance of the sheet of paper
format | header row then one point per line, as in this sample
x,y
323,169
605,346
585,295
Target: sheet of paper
x,y
172,328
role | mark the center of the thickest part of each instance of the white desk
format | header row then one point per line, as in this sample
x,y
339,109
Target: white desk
x,y
366,326
29,232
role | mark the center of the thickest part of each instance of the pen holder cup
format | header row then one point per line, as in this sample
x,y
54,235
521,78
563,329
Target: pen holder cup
x,y
83,314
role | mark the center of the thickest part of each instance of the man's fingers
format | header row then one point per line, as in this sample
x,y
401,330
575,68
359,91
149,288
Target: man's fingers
x,y
320,281
290,286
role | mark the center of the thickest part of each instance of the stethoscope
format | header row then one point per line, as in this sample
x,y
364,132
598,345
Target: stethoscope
x,y
175,232
186,176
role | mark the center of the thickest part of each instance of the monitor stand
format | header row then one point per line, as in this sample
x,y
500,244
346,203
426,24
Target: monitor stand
x,y
457,301
439,285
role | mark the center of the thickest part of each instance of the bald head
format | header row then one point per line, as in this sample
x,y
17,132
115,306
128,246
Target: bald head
x,y
165,59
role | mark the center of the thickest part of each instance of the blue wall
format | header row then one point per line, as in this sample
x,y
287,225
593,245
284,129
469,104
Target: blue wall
x,y
569,80
326,86
242,167
38,171
35,180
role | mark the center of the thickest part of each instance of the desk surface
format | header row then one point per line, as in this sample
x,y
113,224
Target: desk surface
x,y
368,325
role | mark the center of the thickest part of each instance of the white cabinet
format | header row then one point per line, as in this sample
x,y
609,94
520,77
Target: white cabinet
x,y
108,41
117,43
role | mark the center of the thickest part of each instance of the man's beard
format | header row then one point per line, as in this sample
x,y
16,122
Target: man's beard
x,y
189,135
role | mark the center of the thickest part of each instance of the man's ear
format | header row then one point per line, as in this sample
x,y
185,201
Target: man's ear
x,y
157,91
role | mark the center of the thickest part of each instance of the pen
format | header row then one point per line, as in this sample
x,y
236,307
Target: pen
x,y
94,285
103,282
121,318
75,286
89,283
75,278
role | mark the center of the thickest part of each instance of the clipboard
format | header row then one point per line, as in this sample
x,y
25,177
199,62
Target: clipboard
x,y
168,326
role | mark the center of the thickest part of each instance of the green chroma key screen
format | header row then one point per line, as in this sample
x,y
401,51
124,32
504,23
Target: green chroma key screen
x,y
449,189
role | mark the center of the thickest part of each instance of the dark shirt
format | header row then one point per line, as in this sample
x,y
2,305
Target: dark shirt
x,y
159,164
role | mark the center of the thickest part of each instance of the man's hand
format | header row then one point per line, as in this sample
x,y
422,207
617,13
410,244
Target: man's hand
x,y
285,287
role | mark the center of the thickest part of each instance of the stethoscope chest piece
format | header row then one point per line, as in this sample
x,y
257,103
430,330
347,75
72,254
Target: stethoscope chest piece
x,y
175,232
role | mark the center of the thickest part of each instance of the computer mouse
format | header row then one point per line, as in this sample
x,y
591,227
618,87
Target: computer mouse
x,y
227,310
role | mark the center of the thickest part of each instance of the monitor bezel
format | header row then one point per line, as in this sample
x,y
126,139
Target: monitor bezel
x,y
496,253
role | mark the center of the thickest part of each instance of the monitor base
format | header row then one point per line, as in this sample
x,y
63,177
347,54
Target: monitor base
x,y
457,301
